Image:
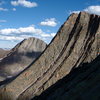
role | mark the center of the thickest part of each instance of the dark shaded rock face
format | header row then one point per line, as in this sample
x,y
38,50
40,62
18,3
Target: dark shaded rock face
x,y
76,43
20,57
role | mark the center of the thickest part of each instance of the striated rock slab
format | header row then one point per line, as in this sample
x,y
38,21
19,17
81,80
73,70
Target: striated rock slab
x,y
77,42
82,83
20,57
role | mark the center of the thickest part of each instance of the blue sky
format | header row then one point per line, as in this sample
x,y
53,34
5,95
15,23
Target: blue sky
x,y
21,19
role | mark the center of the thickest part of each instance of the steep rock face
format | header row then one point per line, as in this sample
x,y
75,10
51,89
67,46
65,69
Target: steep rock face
x,y
77,42
20,57
82,83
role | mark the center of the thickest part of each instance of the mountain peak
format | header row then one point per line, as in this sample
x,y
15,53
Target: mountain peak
x,y
21,56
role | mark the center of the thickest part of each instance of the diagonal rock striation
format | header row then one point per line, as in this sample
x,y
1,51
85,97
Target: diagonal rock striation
x,y
82,83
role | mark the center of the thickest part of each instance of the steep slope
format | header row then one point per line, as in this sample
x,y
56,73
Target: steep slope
x,y
20,57
77,42
82,83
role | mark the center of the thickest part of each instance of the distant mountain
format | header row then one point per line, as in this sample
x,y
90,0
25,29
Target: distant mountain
x,y
68,69
3,53
20,57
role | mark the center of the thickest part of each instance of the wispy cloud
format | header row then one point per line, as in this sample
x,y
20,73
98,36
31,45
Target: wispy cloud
x,y
24,3
3,21
70,12
11,38
13,9
3,9
21,30
49,22
95,9
16,34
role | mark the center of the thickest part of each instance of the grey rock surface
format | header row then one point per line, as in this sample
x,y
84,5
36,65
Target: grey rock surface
x,y
82,83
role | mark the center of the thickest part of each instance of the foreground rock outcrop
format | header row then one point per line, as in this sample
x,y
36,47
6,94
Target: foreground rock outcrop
x,y
77,42
82,83
20,57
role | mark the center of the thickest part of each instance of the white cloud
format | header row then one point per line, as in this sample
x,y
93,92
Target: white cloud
x,y
49,22
70,12
17,34
45,35
93,9
21,30
24,3
14,9
3,9
11,38
53,34
90,9
3,21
